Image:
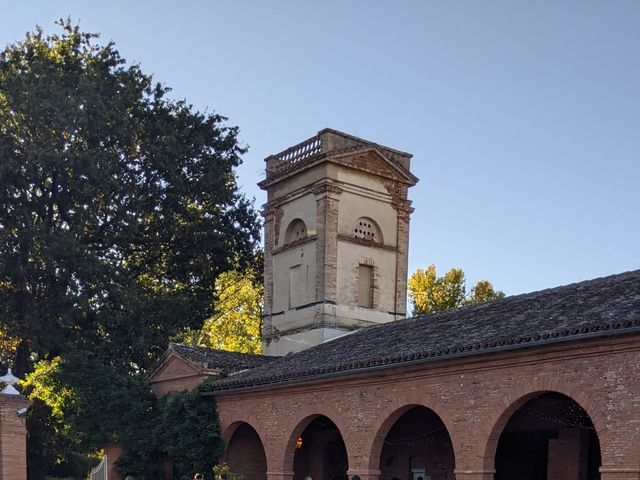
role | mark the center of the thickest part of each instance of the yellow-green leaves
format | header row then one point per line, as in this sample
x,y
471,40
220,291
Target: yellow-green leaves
x,y
45,384
236,325
430,293
483,292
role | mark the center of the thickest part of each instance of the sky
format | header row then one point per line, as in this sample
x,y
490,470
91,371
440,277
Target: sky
x,y
523,116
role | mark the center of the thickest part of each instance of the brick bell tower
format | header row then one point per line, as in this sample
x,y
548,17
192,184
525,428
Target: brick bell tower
x,y
336,239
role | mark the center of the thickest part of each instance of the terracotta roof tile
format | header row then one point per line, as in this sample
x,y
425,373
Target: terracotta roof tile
x,y
595,308
212,358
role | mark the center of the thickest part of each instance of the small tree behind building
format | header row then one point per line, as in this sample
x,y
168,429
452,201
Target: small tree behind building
x,y
430,293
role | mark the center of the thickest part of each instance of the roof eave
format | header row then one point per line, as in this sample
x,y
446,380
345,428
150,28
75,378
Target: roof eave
x,y
426,360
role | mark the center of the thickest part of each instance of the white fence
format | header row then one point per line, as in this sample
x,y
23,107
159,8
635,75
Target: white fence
x,y
99,472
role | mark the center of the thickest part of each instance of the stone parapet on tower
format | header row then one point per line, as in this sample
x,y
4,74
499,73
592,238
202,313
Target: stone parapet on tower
x,y
336,239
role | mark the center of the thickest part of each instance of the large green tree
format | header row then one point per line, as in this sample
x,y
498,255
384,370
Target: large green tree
x,y
118,205
80,404
430,293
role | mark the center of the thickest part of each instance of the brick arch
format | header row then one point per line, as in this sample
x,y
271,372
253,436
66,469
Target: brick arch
x,y
302,421
388,417
232,427
256,466
515,399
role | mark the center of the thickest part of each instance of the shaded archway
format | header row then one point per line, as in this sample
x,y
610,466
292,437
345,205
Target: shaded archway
x,y
245,453
549,437
320,452
417,446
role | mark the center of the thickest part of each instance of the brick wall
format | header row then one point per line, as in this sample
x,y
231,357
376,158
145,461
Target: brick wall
x,y
175,376
186,383
13,438
474,398
567,459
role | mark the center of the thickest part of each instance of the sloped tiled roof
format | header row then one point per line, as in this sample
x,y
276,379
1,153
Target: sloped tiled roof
x,y
591,309
211,358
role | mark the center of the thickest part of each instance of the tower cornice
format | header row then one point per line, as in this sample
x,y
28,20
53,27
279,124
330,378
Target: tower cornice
x,y
340,148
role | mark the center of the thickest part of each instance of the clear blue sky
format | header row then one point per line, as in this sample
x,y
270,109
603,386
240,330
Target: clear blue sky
x,y
523,116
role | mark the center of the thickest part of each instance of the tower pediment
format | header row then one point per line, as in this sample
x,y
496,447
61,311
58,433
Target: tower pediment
x,y
373,159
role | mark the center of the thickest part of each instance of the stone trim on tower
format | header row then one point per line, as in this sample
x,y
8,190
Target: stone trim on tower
x,y
327,200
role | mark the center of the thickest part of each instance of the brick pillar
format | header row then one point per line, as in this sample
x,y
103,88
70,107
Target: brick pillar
x,y
113,451
274,475
568,455
167,468
13,437
614,473
474,474
364,474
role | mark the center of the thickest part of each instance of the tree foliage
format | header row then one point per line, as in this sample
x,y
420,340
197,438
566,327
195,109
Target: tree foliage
x,y
224,472
118,206
237,322
8,346
430,293
119,209
190,433
89,405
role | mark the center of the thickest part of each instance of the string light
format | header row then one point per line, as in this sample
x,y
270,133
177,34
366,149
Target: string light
x,y
425,438
558,410
563,421
568,414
